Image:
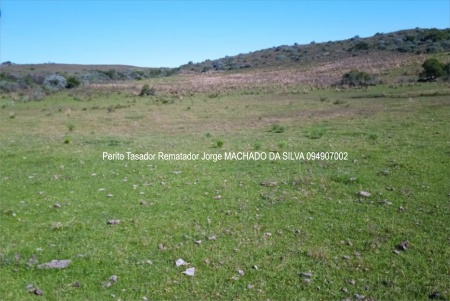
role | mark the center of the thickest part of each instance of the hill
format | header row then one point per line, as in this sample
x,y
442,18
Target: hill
x,y
395,44
386,57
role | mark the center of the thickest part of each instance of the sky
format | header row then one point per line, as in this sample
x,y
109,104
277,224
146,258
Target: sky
x,y
150,33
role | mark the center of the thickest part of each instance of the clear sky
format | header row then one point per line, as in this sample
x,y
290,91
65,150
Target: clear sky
x,y
151,33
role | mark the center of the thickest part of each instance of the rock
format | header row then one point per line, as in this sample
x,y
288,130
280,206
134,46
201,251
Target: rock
x,y
269,183
346,257
107,284
217,197
57,205
403,246
385,202
307,280
212,237
189,272
306,274
364,194
114,222
434,295
267,234
250,286
55,264
113,278
359,297
241,272
37,292
143,203
396,252
344,289
180,262
76,284
385,172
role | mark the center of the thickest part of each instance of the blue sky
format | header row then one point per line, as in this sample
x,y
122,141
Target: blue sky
x,y
171,33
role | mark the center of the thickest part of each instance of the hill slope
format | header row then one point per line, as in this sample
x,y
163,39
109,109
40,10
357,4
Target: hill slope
x,y
395,44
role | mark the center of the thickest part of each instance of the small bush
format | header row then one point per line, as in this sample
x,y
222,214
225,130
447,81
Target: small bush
x,y
276,128
70,127
147,91
55,82
72,82
67,140
356,78
219,144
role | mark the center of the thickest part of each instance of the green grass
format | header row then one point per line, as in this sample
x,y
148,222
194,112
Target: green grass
x,y
397,150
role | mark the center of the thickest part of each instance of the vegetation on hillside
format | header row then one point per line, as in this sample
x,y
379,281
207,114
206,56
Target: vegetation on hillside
x,y
356,62
414,41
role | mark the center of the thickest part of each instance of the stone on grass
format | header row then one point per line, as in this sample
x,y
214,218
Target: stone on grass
x,y
189,272
55,264
306,274
269,183
180,262
365,194
241,272
403,246
114,221
113,278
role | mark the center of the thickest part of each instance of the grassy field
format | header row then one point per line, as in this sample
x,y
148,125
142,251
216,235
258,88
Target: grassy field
x,y
250,228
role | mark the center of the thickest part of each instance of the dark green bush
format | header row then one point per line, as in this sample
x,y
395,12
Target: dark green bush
x,y
146,91
356,78
432,69
72,82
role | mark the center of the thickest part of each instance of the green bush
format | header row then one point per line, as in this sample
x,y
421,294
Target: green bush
x,y
219,144
432,69
72,82
356,78
276,128
146,91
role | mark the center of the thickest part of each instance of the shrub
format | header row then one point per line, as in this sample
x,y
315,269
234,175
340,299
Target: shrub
x,y
55,82
219,144
72,82
276,128
432,69
361,46
146,91
356,78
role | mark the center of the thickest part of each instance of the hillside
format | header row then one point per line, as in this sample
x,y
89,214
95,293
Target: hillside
x,y
390,58
395,44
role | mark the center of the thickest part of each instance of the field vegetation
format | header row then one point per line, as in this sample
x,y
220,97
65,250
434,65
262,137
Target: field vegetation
x,y
372,227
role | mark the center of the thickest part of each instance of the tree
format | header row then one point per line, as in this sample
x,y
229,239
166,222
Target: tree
x,y
432,69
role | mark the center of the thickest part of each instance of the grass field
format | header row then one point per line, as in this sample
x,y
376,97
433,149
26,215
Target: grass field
x,y
249,227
